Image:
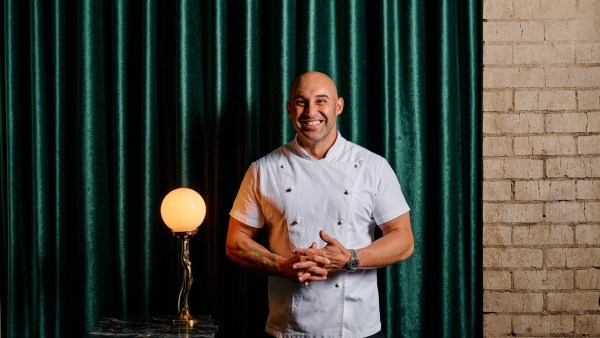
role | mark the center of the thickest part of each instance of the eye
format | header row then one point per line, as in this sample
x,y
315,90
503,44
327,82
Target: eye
x,y
321,101
299,103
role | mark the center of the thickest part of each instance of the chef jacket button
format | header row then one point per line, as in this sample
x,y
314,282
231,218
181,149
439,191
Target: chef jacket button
x,y
283,166
347,192
340,221
296,221
337,285
290,189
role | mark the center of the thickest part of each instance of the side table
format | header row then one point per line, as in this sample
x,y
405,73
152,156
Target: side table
x,y
158,326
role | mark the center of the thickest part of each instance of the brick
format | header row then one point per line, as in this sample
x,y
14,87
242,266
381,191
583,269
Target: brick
x,y
497,191
588,279
543,324
497,324
587,53
497,235
566,123
527,100
580,167
513,31
497,9
589,9
588,234
557,100
588,99
587,30
497,101
587,189
513,168
502,302
514,78
545,190
512,258
545,145
573,77
525,123
593,125
546,9
592,212
497,146
572,257
588,144
547,53
497,55
572,31
497,280
561,31
546,100
561,212
543,280
542,235
573,301
513,213
587,324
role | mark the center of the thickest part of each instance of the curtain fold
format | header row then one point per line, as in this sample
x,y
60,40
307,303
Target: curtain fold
x,y
106,106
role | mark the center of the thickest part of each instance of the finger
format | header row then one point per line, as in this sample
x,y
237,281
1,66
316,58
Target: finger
x,y
303,265
328,239
316,278
304,276
307,252
311,261
320,260
313,245
299,251
317,271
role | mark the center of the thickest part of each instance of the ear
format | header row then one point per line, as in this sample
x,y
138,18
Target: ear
x,y
339,106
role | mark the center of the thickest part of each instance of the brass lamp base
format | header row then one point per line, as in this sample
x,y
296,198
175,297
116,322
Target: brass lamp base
x,y
185,319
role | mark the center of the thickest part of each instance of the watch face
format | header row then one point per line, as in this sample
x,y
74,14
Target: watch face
x,y
352,265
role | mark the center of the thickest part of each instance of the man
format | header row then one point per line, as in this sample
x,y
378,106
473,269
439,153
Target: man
x,y
319,199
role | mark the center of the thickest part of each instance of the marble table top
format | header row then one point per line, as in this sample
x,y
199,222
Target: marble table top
x,y
157,326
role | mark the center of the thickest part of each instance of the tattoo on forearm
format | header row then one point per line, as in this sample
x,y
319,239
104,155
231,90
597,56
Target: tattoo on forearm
x,y
256,258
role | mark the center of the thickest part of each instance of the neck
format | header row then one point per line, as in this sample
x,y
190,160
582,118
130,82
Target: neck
x,y
317,150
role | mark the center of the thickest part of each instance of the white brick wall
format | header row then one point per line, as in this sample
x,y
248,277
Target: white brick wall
x,y
541,148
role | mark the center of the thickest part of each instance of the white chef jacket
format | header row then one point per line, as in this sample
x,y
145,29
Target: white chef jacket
x,y
294,196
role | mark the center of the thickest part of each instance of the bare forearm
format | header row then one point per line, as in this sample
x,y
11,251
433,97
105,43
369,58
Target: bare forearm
x,y
254,256
385,251
395,245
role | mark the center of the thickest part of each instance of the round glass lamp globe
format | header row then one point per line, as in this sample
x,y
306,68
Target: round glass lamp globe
x,y
183,210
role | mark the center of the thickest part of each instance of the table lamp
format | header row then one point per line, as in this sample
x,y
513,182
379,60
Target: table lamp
x,y
183,211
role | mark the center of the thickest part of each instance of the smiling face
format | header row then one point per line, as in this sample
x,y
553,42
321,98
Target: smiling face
x,y
313,109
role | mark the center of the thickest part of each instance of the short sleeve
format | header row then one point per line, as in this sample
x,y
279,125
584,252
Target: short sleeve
x,y
389,200
246,207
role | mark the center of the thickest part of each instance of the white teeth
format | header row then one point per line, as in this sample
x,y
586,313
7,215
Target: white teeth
x,y
313,123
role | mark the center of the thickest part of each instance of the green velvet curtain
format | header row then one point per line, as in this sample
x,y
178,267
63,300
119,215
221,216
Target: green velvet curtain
x,y
108,105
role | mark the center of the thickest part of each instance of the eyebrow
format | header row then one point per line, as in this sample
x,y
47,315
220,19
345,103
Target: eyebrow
x,y
317,96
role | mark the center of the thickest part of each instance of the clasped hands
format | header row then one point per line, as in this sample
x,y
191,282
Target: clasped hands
x,y
313,263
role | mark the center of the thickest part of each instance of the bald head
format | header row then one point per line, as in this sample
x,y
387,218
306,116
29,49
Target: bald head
x,y
313,77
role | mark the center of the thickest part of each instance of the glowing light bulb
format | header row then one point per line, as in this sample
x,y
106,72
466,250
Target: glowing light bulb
x,y
183,210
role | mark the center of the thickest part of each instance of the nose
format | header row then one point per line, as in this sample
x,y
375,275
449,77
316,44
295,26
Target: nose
x,y
310,108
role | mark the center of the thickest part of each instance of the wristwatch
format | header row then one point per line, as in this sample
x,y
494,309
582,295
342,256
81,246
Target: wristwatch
x,y
353,263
